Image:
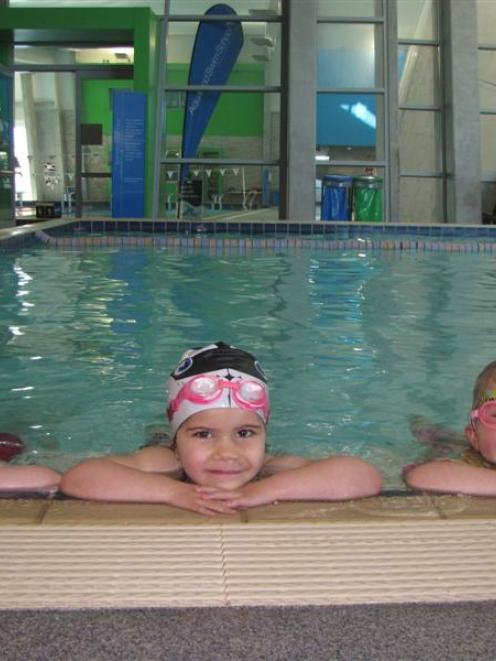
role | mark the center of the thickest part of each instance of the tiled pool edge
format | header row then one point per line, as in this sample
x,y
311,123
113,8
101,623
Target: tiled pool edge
x,y
19,236
425,555
245,244
401,508
252,235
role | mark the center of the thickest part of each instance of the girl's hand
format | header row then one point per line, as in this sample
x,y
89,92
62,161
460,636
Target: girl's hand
x,y
187,497
249,495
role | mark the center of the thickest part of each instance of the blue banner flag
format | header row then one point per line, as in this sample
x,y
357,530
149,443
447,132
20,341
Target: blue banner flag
x,y
215,51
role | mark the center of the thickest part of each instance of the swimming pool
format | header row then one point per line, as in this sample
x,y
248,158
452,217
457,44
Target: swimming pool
x,y
354,341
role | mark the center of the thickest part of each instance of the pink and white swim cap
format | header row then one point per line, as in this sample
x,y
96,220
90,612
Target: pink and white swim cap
x,y
214,377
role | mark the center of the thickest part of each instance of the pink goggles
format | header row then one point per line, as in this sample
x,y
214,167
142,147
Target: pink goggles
x,y
486,414
248,394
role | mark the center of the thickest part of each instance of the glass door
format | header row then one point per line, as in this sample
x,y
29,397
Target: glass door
x,y
93,186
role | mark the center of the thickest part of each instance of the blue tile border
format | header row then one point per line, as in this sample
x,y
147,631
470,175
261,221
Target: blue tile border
x,y
328,235
245,245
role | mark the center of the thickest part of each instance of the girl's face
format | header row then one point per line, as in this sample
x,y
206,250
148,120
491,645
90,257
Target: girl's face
x,y
482,439
481,432
222,448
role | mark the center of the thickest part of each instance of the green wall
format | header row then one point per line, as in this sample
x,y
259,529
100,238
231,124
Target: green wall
x,y
236,114
97,107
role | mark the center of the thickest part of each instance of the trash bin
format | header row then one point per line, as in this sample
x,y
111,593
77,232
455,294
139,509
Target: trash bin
x,y
367,199
336,197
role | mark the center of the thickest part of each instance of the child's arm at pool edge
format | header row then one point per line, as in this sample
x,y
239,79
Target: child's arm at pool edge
x,y
28,478
445,476
139,478
334,478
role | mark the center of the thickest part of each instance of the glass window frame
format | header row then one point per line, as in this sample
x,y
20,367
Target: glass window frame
x,y
348,12
435,16
164,161
435,107
380,92
488,176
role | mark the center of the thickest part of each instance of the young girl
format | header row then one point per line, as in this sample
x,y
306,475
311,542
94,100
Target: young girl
x,y
474,471
218,412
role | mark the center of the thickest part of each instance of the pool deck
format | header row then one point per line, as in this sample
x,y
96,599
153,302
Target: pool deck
x,y
384,550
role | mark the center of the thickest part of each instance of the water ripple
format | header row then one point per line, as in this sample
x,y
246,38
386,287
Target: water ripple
x,y
353,344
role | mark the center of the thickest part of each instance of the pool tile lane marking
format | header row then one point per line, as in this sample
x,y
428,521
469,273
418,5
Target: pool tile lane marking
x,y
236,564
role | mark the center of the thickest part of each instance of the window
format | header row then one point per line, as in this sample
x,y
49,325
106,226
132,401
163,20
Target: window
x,y
420,118
220,146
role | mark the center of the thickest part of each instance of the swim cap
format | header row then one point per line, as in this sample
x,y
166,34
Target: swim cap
x,y
216,376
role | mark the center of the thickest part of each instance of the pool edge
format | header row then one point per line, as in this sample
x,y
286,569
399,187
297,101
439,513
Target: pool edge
x,y
401,508
418,555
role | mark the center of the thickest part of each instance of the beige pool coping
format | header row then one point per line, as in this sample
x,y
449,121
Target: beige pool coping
x,y
386,549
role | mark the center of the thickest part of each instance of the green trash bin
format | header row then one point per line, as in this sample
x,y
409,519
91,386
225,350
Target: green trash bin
x,y
367,199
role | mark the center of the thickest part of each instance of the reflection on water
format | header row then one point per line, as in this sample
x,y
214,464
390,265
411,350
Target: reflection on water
x,y
353,343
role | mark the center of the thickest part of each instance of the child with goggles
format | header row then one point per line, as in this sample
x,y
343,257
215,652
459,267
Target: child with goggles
x,y
218,411
474,472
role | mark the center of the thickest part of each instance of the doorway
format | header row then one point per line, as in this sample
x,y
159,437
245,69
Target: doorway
x,y
63,139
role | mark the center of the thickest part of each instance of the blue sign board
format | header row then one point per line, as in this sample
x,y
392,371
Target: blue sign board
x,y
128,154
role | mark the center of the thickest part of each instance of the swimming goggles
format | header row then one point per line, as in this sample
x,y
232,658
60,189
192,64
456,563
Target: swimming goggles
x,y
248,394
486,414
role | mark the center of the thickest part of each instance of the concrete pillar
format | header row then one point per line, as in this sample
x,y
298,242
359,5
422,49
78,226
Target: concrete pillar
x,y
301,109
463,145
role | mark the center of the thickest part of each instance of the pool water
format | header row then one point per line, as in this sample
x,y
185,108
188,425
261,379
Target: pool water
x,y
353,343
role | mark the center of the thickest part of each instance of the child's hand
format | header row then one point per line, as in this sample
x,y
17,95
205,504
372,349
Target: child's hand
x,y
187,497
249,495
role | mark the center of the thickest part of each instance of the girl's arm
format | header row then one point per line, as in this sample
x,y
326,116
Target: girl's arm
x,y
28,478
451,477
282,462
138,477
335,478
